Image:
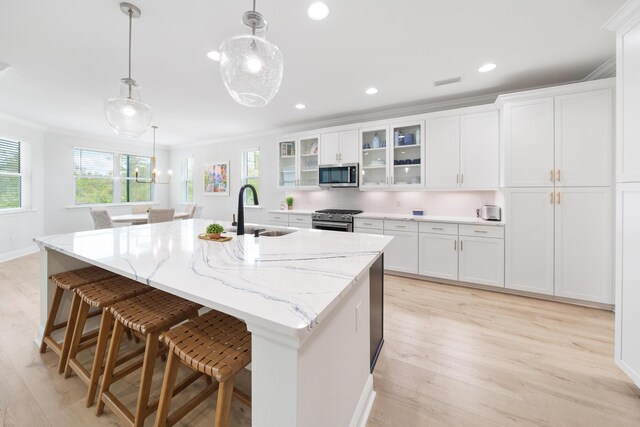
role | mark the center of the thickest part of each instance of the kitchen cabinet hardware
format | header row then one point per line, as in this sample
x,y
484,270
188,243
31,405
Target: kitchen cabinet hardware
x,y
558,175
480,231
455,245
551,198
558,198
461,245
437,228
551,175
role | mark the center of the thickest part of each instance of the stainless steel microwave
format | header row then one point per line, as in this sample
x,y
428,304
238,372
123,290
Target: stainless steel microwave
x,y
346,175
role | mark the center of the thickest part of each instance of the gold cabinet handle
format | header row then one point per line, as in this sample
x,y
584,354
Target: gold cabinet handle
x,y
462,178
558,198
460,245
558,175
551,175
551,198
455,245
457,178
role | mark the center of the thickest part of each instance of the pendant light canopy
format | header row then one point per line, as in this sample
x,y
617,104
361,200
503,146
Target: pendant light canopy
x,y
127,114
251,66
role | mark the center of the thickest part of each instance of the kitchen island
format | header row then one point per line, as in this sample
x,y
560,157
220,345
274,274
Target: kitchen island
x,y
304,296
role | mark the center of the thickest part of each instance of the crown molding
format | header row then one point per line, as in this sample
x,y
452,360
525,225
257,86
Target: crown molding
x,y
102,138
622,16
22,122
605,70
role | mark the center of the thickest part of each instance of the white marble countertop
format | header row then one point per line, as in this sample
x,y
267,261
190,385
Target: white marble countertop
x,y
285,284
292,211
429,218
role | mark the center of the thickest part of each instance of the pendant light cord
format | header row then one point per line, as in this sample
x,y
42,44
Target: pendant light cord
x,y
253,27
130,25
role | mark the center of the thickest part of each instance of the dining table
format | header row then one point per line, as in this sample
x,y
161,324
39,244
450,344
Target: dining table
x,y
143,218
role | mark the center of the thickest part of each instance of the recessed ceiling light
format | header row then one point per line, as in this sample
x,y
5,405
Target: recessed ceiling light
x,y
371,91
318,11
487,67
301,106
214,55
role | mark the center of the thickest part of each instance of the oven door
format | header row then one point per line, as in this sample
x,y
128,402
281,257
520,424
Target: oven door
x,y
332,226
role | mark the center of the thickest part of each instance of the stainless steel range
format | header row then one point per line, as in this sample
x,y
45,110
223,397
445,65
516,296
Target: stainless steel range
x,y
334,219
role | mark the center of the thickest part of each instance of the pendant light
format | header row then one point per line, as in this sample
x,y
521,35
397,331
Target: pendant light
x,y
154,171
127,114
251,66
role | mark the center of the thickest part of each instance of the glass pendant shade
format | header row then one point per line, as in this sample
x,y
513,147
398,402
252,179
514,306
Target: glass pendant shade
x,y
127,114
251,69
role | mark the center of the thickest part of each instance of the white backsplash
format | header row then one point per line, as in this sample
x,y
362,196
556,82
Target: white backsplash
x,y
449,203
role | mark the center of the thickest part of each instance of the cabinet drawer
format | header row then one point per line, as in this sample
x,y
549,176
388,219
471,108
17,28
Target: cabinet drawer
x,y
299,220
438,228
367,230
278,218
400,225
377,224
482,231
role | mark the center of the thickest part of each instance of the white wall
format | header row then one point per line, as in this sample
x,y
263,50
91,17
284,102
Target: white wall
x,y
61,214
222,207
18,229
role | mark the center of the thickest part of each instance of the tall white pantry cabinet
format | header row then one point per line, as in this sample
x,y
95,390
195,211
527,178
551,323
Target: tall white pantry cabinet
x,y
558,176
626,23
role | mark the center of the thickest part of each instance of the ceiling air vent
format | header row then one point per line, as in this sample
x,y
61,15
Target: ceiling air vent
x,y
447,81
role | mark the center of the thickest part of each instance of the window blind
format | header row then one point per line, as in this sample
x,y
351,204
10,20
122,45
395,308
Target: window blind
x,y
10,175
92,163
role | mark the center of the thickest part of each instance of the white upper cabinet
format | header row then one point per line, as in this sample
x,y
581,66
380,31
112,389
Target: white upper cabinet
x,y
584,139
405,157
529,239
463,151
443,152
339,147
298,162
583,244
374,157
528,133
628,69
480,151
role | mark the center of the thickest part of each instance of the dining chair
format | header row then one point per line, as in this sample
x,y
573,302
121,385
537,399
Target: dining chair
x,y
140,209
101,219
197,211
161,215
190,208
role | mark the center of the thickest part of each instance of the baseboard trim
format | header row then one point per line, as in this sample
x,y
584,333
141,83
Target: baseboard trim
x,y
602,306
361,415
31,249
635,377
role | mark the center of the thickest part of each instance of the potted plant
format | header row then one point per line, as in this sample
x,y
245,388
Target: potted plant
x,y
289,202
214,231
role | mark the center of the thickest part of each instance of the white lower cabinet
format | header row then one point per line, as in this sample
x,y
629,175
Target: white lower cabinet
x,y
583,244
559,242
439,256
481,260
529,240
402,253
367,230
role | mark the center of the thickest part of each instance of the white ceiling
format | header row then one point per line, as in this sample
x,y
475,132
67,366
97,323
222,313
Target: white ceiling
x,y
67,57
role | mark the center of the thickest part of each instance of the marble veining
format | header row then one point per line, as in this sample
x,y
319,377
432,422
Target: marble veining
x,y
286,284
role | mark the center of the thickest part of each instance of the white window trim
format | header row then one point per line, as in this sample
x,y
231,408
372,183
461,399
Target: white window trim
x,y
184,180
117,179
244,176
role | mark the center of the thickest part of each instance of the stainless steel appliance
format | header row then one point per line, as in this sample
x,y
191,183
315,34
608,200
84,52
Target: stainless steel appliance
x,y
333,219
341,176
490,212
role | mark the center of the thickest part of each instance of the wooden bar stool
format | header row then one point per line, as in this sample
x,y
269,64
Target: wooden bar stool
x,y
100,295
149,315
65,282
214,344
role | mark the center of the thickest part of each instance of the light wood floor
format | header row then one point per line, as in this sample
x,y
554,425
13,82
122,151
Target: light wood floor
x,y
452,357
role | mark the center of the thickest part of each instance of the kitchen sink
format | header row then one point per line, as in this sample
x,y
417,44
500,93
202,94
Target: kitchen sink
x,y
276,233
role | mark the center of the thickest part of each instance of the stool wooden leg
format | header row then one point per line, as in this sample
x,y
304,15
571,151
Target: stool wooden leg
x,y
168,384
53,312
68,333
150,354
112,358
223,407
103,337
72,347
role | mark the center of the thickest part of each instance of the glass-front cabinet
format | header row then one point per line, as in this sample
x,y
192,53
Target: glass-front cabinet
x,y
298,162
392,156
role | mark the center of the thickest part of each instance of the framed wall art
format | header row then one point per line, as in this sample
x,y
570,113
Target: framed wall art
x,y
216,179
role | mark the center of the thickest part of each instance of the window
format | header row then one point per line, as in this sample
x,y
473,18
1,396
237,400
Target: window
x,y
103,177
11,178
187,180
250,173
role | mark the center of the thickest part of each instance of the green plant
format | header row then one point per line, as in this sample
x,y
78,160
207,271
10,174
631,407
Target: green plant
x,y
289,201
214,229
